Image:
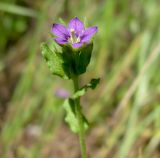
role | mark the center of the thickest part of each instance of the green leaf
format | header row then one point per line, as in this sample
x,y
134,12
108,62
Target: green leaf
x,y
69,60
77,60
54,61
92,84
71,118
84,58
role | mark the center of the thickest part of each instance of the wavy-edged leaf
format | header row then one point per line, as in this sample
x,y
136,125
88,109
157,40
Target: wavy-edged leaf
x,y
71,117
54,61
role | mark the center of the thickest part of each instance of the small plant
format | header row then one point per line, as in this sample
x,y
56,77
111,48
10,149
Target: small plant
x,y
76,49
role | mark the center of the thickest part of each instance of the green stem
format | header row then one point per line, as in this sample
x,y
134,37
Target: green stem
x,y
80,120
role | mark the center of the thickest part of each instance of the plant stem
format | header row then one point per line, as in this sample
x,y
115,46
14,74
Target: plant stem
x,y
80,120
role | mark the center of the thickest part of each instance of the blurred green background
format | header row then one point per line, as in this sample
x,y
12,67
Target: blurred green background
x,y
124,111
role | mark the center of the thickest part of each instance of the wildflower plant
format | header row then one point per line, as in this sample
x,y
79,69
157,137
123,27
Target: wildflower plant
x,y
76,44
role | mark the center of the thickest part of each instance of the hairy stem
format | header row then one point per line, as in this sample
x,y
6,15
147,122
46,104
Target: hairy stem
x,y
80,120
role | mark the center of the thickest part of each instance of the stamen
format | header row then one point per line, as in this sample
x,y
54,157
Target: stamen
x,y
78,40
73,38
72,35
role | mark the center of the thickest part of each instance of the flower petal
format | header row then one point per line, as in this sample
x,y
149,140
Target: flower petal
x,y
77,25
88,33
60,31
60,41
77,45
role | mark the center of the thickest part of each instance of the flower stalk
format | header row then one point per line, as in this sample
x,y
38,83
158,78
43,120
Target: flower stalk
x,y
81,132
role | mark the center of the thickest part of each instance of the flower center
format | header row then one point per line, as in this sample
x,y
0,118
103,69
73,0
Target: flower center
x,y
73,38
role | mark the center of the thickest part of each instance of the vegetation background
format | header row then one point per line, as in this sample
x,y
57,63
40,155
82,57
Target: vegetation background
x,y
124,111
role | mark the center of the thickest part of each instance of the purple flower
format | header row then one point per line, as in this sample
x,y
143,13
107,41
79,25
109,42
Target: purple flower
x,y
76,34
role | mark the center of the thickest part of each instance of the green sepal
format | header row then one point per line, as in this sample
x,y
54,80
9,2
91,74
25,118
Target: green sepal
x,y
92,84
71,117
54,61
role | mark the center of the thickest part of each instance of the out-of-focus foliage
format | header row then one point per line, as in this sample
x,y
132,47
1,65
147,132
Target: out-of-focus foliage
x,y
124,111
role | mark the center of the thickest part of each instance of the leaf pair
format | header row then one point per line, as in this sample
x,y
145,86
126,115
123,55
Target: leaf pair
x,y
68,63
